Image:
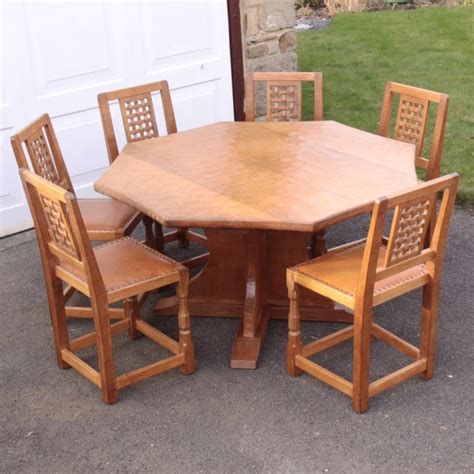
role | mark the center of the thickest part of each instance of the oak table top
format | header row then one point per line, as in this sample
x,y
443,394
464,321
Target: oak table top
x,y
259,190
259,175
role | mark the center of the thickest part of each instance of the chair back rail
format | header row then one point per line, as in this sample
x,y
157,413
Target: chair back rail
x,y
43,150
283,95
137,113
408,243
411,122
60,229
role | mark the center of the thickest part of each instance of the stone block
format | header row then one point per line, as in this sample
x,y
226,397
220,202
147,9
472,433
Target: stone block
x,y
257,50
274,62
287,41
273,47
251,22
276,15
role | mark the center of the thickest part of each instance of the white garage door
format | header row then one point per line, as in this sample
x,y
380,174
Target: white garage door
x,y
57,56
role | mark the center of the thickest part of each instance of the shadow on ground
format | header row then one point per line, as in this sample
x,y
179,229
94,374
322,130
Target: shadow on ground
x,y
223,420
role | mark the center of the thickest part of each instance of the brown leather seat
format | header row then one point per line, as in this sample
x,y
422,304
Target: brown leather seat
x,y
340,269
124,263
107,219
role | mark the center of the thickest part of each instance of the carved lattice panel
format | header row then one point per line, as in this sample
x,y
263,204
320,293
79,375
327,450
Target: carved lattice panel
x,y
42,158
58,226
284,101
411,121
409,227
138,117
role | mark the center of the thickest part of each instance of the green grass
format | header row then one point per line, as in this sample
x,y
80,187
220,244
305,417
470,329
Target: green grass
x,y
431,48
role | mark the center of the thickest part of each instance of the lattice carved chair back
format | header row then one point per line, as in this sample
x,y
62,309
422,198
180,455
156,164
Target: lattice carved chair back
x,y
45,157
411,122
409,242
60,230
137,113
283,95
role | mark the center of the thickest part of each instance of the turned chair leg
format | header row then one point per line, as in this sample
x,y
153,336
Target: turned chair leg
x,y
183,241
104,353
429,328
294,333
132,313
361,361
184,322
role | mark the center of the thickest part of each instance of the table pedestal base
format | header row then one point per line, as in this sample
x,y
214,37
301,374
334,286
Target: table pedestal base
x,y
245,277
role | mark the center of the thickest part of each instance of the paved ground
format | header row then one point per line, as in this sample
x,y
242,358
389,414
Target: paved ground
x,y
222,420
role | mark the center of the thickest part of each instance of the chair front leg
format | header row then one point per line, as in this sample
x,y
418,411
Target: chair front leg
x,y
361,360
184,322
294,333
429,328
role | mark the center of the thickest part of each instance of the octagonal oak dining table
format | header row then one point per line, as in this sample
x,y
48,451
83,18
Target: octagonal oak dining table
x,y
259,190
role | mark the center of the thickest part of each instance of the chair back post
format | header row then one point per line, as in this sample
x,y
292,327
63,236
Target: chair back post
x,y
365,287
108,127
44,152
436,150
137,112
443,219
277,80
386,112
250,98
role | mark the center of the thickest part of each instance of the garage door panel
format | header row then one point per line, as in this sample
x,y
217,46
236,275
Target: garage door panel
x,y
81,140
84,184
183,38
202,99
74,59
57,56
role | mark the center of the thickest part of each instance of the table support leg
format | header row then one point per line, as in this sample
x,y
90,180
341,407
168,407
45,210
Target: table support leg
x,y
248,343
245,277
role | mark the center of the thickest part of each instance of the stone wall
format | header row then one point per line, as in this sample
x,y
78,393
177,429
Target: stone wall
x,y
268,37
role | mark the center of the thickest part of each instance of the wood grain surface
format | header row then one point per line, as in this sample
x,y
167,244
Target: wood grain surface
x,y
283,176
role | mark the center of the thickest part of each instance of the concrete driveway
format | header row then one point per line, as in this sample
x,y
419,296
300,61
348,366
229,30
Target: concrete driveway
x,y
223,420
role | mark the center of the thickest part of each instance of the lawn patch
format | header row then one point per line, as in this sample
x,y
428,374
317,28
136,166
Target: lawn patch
x,y
430,48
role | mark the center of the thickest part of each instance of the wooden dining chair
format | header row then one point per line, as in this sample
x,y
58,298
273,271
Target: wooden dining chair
x,y
284,95
139,122
104,219
118,270
412,120
367,273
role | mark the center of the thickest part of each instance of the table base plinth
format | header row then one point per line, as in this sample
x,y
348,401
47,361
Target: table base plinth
x,y
245,276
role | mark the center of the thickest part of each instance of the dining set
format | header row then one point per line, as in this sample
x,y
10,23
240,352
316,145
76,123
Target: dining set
x,y
259,196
